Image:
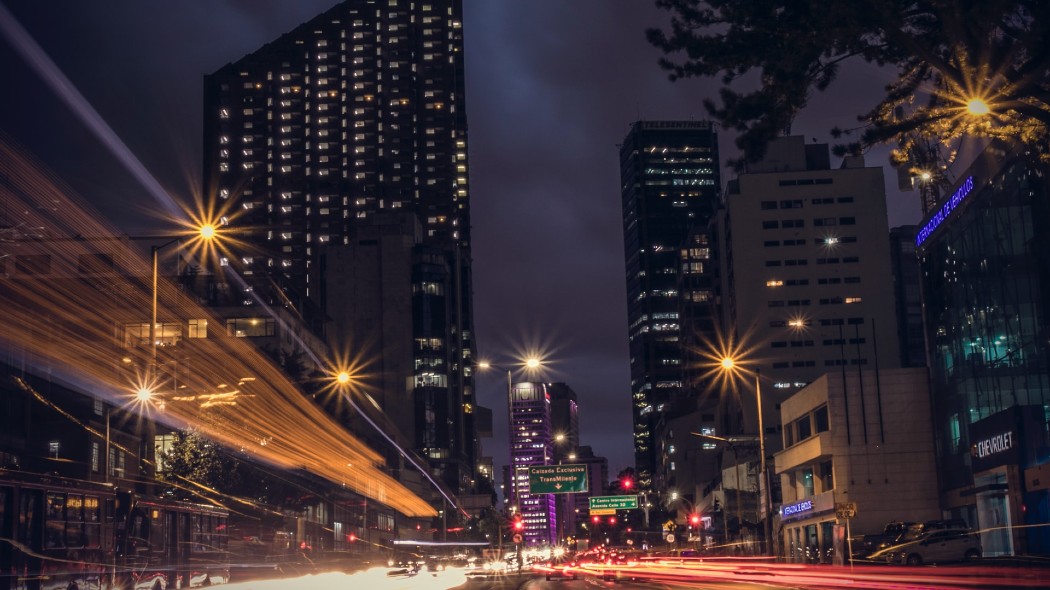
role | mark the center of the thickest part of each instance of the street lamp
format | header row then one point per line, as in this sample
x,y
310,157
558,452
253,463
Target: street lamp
x,y
729,365
206,232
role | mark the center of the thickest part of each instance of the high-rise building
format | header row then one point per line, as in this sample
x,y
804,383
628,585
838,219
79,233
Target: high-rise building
x,y
670,189
357,114
565,424
531,444
565,421
985,263
905,265
807,264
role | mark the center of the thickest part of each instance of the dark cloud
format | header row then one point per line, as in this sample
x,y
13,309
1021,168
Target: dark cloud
x,y
552,87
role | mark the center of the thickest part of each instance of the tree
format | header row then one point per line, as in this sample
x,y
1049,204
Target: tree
x,y
193,458
965,67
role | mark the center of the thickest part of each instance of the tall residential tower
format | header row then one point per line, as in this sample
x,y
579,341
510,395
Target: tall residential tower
x,y
311,144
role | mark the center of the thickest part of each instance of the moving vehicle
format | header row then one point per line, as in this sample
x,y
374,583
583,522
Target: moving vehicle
x,y
66,533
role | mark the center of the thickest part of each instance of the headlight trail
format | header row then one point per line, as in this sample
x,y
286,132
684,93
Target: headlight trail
x,y
74,323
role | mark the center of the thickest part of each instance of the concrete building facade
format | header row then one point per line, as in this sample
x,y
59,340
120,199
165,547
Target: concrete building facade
x,y
854,436
805,256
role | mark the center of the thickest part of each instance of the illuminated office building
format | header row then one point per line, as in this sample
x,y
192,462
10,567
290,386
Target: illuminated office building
x,y
531,444
985,261
669,175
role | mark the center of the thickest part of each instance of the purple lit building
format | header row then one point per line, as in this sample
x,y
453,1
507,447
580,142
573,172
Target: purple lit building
x,y
531,444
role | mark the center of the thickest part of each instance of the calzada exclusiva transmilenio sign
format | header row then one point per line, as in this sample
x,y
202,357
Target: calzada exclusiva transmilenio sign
x,y
557,479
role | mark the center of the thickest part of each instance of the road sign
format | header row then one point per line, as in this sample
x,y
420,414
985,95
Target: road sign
x,y
846,509
518,538
669,538
614,502
602,511
557,479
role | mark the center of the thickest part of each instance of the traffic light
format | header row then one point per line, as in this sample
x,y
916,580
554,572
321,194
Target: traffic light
x,y
626,483
519,525
694,520
596,519
612,520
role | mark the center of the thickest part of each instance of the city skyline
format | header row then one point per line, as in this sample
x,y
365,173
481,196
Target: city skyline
x,y
536,103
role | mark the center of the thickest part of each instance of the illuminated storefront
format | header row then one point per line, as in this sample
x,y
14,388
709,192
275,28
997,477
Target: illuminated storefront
x,y
985,258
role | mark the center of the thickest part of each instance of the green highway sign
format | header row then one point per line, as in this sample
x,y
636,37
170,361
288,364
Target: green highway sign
x,y
557,479
612,503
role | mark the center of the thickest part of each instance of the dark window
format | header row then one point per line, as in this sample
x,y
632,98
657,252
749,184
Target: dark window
x,y
827,480
805,429
770,225
847,221
820,419
771,243
769,205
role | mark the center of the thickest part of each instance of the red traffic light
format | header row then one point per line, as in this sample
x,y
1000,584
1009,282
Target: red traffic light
x,y
626,483
519,525
612,520
596,519
694,519
351,537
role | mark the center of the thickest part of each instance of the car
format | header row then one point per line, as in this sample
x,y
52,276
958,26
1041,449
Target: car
x,y
892,534
934,546
560,569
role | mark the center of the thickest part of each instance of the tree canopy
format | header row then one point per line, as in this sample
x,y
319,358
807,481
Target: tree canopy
x,y
772,55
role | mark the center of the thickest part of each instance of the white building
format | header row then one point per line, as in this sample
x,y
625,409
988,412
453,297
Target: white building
x,y
860,437
806,266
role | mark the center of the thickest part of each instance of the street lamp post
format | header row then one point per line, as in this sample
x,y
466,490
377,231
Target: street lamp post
x,y
729,364
205,232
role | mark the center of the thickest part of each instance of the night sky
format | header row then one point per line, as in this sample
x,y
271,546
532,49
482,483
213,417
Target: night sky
x,y
552,87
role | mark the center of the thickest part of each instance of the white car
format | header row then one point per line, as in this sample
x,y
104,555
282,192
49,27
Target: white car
x,y
938,546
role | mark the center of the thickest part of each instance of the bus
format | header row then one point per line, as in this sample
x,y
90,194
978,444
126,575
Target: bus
x,y
58,533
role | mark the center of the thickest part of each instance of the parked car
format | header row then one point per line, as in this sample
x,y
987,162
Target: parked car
x,y
934,546
891,534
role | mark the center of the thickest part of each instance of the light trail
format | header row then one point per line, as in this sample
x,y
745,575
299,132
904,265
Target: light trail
x,y
372,579
49,72
712,570
74,324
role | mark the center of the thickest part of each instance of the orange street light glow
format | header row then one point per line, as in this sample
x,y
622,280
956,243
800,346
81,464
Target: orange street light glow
x,y
977,107
270,408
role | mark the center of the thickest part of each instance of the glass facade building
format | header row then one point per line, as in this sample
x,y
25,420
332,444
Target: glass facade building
x,y
670,189
985,259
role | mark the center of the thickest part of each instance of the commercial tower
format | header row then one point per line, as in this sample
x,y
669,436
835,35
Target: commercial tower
x,y
531,445
311,144
807,261
670,190
985,260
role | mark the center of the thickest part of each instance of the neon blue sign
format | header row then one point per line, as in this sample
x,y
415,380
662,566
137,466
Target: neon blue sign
x,y
946,209
796,508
